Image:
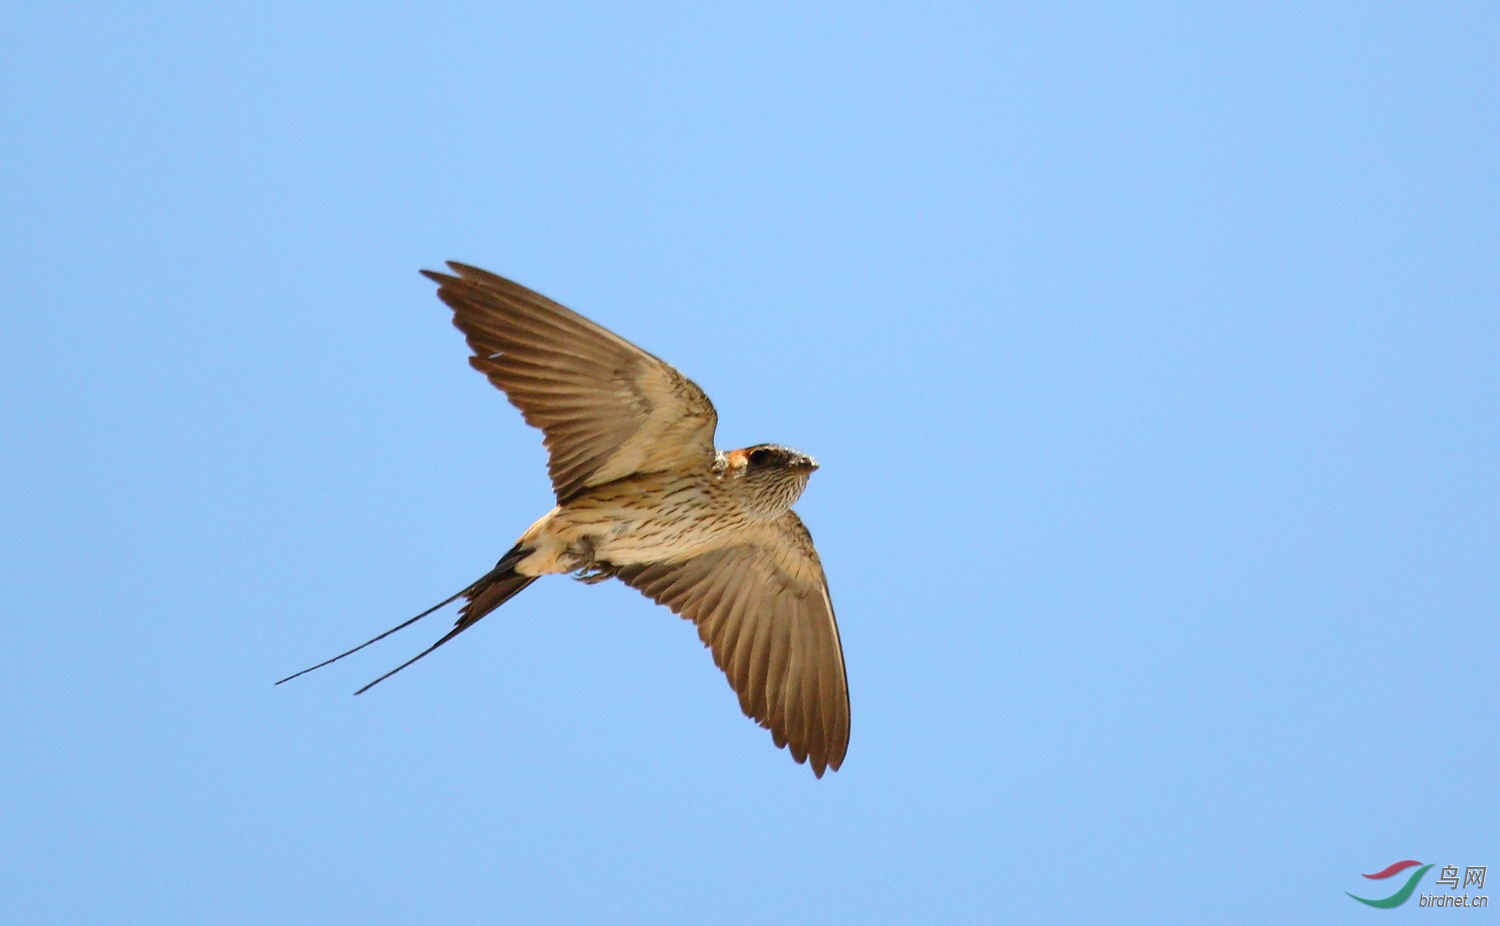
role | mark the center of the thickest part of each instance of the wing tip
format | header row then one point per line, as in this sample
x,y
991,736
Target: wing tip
x,y
821,765
460,272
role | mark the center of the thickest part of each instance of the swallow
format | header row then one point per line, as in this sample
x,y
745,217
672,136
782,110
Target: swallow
x,y
643,496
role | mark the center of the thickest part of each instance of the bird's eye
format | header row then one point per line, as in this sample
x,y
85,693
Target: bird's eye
x,y
762,456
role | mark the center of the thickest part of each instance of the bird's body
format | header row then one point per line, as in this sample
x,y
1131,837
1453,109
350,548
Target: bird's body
x,y
648,518
643,496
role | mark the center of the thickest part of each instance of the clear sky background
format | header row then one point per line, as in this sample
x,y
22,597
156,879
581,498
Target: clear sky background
x,y
1151,351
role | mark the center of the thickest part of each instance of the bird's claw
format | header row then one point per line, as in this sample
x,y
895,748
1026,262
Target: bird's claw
x,y
594,573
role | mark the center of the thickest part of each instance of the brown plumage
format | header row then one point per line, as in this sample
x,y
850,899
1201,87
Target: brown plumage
x,y
643,496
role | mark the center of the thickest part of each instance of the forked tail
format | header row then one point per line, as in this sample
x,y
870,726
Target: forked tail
x,y
487,593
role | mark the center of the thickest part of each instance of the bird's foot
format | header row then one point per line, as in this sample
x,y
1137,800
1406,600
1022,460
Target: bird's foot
x,y
594,573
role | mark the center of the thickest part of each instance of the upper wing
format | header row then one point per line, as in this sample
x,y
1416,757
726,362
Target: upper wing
x,y
763,609
607,408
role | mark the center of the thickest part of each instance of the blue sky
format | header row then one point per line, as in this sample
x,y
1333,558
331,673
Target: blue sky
x,y
1150,351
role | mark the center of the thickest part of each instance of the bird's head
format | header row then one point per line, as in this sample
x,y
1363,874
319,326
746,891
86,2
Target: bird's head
x,y
770,477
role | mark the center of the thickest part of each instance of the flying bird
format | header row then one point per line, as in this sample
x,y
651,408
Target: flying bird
x,y
644,497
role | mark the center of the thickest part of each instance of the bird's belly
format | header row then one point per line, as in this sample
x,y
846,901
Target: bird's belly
x,y
658,536
649,521
649,518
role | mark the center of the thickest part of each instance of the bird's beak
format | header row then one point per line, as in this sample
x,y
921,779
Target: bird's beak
x,y
809,464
